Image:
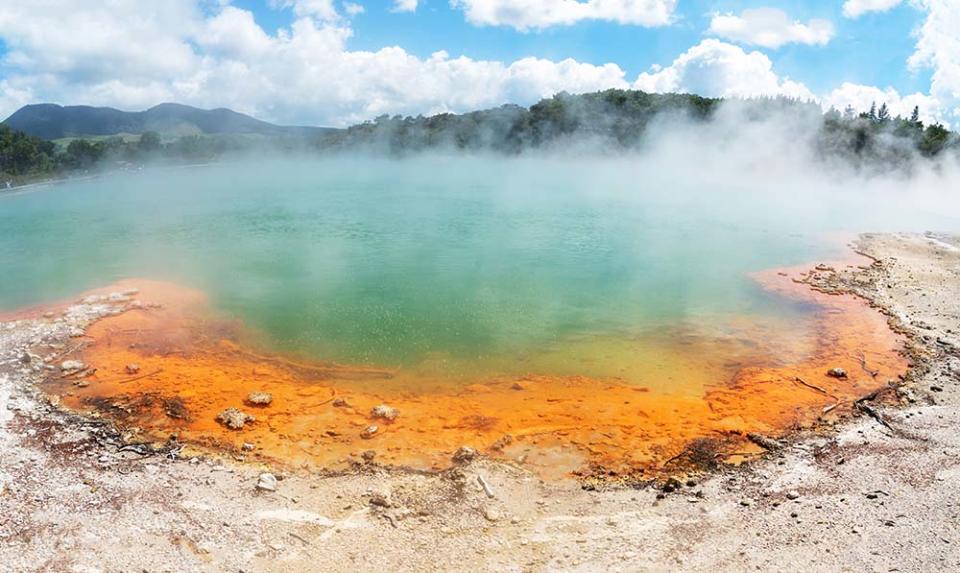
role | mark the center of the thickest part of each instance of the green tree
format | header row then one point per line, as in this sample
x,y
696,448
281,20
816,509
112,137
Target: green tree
x,y
935,139
915,116
884,113
149,142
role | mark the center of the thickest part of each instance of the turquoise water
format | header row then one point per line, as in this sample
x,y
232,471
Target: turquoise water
x,y
390,262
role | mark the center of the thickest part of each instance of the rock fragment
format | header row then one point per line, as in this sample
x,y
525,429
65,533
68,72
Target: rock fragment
x,y
384,412
72,366
464,454
837,373
369,432
378,499
234,419
267,482
132,369
259,398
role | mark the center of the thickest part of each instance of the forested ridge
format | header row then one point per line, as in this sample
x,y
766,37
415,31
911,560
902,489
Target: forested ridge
x,y
601,121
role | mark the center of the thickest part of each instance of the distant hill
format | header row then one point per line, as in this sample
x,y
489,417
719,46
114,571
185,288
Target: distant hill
x,y
51,121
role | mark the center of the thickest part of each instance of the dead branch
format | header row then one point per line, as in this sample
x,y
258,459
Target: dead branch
x,y
485,486
764,442
873,413
862,359
125,380
811,386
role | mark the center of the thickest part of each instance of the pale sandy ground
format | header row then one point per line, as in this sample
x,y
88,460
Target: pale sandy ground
x,y
868,499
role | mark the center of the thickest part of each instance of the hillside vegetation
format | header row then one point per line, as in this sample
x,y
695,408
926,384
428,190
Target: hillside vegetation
x,y
595,123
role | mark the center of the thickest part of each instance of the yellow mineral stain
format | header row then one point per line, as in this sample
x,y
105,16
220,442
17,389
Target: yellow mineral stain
x,y
646,403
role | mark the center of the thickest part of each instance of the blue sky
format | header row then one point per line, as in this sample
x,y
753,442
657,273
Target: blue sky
x,y
872,49
335,62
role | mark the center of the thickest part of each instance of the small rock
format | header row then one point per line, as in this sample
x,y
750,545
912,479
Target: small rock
x,y
837,373
247,447
25,358
378,499
464,454
234,419
340,403
671,485
369,432
267,482
793,494
132,368
745,502
368,456
384,412
517,386
259,398
72,366
491,514
936,389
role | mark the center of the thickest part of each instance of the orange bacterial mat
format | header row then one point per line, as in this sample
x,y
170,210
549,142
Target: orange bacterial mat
x,y
191,365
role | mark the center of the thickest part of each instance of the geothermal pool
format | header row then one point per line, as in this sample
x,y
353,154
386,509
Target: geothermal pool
x,y
558,313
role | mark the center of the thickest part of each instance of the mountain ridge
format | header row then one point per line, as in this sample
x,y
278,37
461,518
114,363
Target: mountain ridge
x,y
54,121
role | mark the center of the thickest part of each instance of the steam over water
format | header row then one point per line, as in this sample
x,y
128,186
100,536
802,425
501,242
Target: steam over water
x,y
461,266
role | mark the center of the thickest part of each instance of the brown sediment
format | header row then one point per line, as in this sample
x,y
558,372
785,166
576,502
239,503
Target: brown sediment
x,y
192,366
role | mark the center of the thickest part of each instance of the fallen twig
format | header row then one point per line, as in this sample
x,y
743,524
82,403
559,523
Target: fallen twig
x,y
485,486
832,407
67,352
764,442
873,413
811,386
295,536
124,381
862,359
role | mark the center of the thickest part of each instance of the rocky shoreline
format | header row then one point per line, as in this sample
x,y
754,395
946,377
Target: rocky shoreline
x,y
881,492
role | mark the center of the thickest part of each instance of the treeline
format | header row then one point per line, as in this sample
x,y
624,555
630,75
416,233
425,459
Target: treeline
x,y
622,119
22,155
598,122
613,117
875,137
25,158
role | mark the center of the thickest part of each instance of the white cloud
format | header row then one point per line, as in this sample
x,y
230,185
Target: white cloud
x,y
938,49
173,51
857,8
405,5
770,28
352,8
539,14
322,10
861,97
89,42
717,69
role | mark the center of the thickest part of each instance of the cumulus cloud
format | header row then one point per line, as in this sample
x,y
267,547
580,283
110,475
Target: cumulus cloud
x,y
352,8
861,97
405,5
718,69
857,8
938,49
770,28
173,51
539,14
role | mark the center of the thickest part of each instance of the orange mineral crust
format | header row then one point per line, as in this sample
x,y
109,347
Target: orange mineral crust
x,y
173,367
